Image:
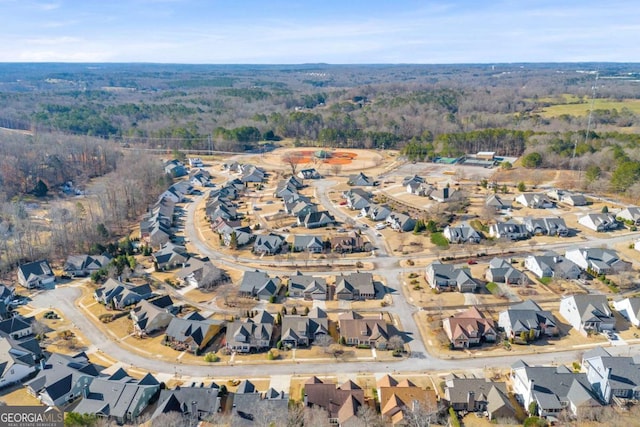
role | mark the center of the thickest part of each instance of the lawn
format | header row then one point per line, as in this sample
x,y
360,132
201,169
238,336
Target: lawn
x,y
493,288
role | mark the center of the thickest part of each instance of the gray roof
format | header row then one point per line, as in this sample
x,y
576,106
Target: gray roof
x,y
528,315
115,397
86,262
184,400
592,307
553,385
269,243
458,389
259,282
182,329
301,282
37,268
61,373
304,241
362,282
14,324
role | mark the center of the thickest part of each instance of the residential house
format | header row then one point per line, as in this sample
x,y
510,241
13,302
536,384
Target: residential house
x,y
401,222
221,208
220,224
415,178
175,168
316,219
259,284
250,335
62,378
468,328
361,180
35,274
350,243
306,243
192,333
549,226
574,199
502,271
612,379
341,403
600,222
18,359
478,395
202,274
462,233
588,313
419,189
242,235
169,256
534,201
310,173
447,277
118,397
398,396
365,331
597,260
268,244
443,195
84,265
508,230
301,331
629,308
156,234
16,327
195,162
252,173
248,404
300,207
287,187
630,215
308,287
149,316
6,296
525,317
355,286
551,264
553,388
377,212
119,295
196,403
496,202
357,199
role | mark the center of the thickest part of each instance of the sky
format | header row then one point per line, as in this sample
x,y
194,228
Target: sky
x,y
330,31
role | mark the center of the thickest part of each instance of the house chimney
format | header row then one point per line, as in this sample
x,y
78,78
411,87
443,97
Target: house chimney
x,y
85,391
471,401
42,364
194,409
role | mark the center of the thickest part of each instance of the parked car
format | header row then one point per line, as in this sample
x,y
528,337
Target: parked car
x,y
381,226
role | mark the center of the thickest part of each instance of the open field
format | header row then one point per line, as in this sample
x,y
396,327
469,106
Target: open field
x,y
583,108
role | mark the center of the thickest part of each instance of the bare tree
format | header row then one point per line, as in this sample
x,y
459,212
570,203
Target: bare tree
x,y
316,417
292,159
395,343
324,341
368,417
420,414
335,169
170,419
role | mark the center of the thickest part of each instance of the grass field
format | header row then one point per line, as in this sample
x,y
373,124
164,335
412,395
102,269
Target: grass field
x,y
583,109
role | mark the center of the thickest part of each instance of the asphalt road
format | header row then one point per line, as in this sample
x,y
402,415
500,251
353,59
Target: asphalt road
x,y
384,266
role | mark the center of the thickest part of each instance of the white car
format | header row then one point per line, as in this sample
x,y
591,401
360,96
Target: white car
x,y
381,226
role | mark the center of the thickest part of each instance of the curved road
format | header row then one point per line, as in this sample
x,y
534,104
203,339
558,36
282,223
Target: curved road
x,y
385,266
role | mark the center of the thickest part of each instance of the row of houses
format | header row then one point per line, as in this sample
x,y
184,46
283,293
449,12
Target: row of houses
x,y
418,186
301,207
354,286
603,379
360,200
526,321
573,264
